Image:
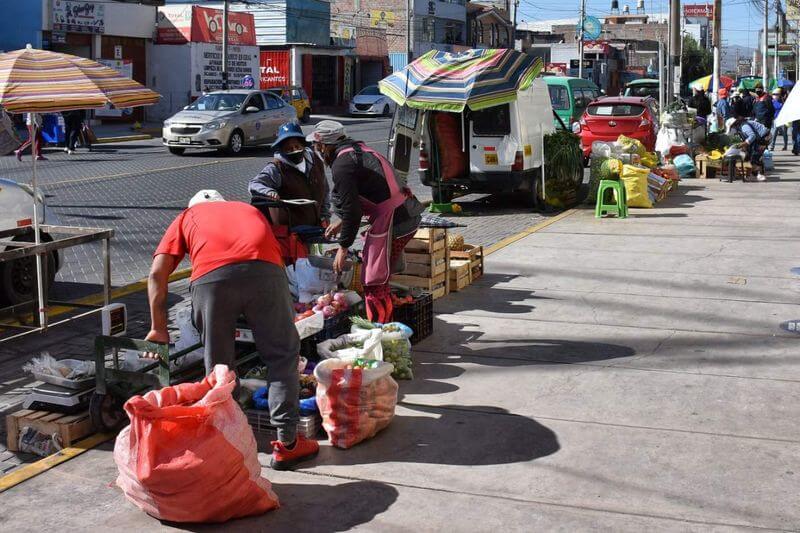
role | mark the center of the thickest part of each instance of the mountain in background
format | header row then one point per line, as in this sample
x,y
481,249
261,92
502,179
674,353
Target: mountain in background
x,y
729,53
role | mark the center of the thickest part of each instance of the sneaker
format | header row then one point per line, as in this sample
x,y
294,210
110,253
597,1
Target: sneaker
x,y
66,150
284,459
18,154
41,158
70,152
761,177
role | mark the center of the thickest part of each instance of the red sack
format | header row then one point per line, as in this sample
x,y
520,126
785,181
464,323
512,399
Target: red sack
x,y
355,404
448,135
189,454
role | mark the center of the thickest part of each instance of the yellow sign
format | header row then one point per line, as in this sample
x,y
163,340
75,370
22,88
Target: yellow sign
x,y
490,159
528,150
381,18
792,9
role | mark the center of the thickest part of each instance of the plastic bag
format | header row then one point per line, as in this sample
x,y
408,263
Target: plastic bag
x,y
684,164
601,149
396,344
67,368
650,160
189,455
766,158
355,404
369,340
635,180
507,150
309,280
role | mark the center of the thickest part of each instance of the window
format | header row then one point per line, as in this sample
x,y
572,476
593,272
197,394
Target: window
x,y
371,90
255,101
453,32
429,29
273,102
218,102
559,97
296,94
615,110
492,122
583,97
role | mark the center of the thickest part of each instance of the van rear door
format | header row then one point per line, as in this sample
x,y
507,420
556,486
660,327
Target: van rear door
x,y
404,139
487,128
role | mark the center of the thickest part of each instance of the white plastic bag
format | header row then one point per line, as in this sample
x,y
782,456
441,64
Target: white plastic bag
x,y
601,149
310,280
372,348
507,150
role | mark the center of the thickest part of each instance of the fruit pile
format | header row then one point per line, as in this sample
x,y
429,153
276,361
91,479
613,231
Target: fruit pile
x,y
330,305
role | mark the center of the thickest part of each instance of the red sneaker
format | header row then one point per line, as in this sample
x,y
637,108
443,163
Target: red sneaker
x,y
284,459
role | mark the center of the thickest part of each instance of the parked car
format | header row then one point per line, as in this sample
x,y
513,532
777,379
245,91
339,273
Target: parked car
x,y
609,117
18,277
228,121
370,101
569,97
297,98
643,87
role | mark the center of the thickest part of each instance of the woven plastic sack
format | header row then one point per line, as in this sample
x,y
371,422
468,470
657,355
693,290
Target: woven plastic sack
x,y
601,168
355,404
452,159
658,185
631,146
635,180
650,160
189,455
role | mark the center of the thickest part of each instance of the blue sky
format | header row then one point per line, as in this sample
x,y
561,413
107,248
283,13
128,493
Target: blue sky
x,y
740,21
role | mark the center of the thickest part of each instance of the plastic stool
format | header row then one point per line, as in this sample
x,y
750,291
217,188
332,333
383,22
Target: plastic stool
x,y
619,208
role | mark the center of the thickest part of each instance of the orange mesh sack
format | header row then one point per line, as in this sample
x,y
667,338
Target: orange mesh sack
x,y
189,455
355,404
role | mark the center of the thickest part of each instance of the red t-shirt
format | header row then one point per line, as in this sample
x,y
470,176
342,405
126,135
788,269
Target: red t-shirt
x,y
215,234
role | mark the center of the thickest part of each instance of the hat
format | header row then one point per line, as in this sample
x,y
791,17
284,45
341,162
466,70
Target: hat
x,y
777,90
328,132
729,124
206,195
758,85
288,130
723,92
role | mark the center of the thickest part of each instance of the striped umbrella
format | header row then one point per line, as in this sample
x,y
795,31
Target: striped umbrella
x,y
706,82
446,81
40,81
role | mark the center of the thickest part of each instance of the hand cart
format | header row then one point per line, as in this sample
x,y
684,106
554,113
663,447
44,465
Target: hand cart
x,y
294,240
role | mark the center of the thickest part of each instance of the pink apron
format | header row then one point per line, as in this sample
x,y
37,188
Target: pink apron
x,y
378,241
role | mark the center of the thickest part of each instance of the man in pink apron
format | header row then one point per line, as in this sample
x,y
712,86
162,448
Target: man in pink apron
x,y
364,185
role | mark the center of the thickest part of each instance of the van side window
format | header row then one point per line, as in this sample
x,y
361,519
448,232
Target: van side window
x,y
494,121
559,97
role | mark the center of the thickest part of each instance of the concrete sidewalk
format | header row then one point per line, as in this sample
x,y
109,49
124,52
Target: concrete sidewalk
x,y
621,375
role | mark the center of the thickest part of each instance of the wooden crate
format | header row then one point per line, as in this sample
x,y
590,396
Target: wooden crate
x,y
460,274
70,428
707,168
426,265
473,254
428,241
436,285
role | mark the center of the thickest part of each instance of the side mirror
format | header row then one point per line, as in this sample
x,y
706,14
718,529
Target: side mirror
x,y
251,109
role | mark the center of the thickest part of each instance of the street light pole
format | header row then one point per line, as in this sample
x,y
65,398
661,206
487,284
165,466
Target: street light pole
x,y
777,31
717,38
765,47
225,46
580,39
675,47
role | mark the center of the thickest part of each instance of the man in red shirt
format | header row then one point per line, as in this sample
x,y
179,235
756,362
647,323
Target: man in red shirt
x,y
236,270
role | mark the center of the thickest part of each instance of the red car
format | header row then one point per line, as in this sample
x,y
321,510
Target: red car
x,y
605,119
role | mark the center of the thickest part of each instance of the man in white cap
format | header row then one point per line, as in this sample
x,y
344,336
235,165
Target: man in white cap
x,y
364,185
754,140
236,270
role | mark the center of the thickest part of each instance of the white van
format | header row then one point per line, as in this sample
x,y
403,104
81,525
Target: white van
x,y
494,150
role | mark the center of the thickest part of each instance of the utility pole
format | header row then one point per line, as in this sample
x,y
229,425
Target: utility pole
x,y
776,67
409,25
225,46
765,48
674,47
661,80
717,42
580,39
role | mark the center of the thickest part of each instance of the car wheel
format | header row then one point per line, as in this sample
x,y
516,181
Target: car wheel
x,y
18,279
306,116
176,151
235,143
531,197
386,110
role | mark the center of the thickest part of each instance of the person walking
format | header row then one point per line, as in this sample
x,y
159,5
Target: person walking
x,y
743,103
777,104
754,140
763,110
35,139
73,122
236,270
724,108
364,184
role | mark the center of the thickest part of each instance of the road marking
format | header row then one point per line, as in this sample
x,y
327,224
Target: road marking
x,y
137,173
43,465
524,233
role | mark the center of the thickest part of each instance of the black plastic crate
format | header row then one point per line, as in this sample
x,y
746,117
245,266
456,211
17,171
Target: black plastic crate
x,y
418,316
334,327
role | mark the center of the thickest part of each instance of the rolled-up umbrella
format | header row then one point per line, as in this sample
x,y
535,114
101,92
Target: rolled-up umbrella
x,y
40,81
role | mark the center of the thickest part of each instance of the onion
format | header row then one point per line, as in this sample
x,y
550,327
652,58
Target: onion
x,y
341,298
328,311
325,299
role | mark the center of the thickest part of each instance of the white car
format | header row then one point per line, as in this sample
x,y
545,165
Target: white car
x,y
18,277
369,101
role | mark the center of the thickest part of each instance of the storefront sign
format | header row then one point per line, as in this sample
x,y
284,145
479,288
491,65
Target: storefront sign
x,y
587,63
117,51
380,18
78,17
595,47
705,11
124,67
58,37
343,35
207,63
559,69
182,24
274,68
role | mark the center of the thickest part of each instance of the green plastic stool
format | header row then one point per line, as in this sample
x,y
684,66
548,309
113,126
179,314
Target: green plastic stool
x,y
619,207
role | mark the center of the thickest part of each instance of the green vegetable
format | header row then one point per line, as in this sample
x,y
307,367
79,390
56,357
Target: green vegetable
x,y
362,323
563,166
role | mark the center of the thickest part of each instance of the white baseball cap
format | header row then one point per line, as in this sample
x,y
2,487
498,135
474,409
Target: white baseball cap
x,y
729,124
206,195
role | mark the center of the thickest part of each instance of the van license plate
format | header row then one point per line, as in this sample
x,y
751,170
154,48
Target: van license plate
x,y
490,159
185,140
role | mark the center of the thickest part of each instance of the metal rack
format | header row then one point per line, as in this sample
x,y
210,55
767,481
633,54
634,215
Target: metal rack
x,y
62,237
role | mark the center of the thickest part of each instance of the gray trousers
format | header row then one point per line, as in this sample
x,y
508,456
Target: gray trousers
x,y
259,291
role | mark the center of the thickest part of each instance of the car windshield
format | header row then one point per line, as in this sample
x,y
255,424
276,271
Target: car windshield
x,y
642,90
372,90
218,102
615,110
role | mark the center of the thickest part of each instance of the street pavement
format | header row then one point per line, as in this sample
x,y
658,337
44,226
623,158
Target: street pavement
x,y
603,375
137,188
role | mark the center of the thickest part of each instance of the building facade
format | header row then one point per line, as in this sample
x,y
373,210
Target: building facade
x,y
488,27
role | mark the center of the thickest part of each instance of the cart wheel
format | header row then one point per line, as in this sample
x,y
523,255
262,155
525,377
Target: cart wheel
x,y
106,413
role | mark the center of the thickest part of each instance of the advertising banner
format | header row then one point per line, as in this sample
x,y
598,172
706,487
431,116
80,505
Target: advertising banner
x,y
705,11
274,68
174,24
78,17
185,23
559,69
207,65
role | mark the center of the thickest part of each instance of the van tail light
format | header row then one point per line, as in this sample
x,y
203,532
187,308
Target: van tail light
x,y
519,162
423,158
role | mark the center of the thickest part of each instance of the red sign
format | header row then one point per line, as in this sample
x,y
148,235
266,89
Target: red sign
x,y
274,68
559,69
182,24
693,11
595,47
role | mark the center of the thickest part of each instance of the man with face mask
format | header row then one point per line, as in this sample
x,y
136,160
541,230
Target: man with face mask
x,y
365,185
763,110
296,173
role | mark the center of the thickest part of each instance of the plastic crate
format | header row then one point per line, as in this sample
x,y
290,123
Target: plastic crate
x,y
334,327
418,316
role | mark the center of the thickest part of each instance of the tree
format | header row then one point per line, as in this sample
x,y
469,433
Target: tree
x,y
696,62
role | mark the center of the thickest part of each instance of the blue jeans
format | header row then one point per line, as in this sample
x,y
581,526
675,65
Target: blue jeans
x,y
780,130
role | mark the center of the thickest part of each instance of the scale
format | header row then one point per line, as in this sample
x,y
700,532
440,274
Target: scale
x,y
49,397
